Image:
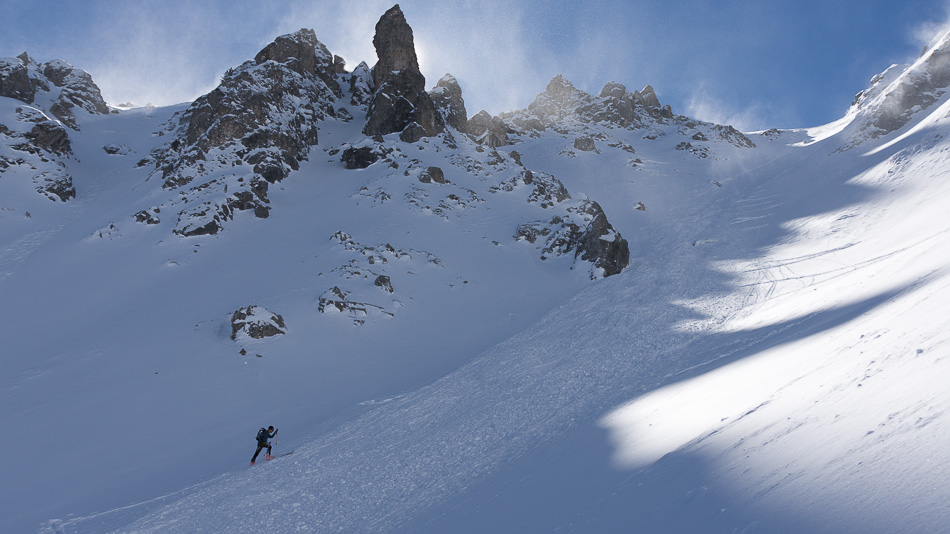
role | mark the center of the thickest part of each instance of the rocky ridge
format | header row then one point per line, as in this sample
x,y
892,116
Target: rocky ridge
x,y
226,150
34,135
55,86
567,110
250,132
896,95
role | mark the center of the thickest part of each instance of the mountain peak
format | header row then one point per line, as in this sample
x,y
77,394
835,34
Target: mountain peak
x,y
299,51
559,86
60,85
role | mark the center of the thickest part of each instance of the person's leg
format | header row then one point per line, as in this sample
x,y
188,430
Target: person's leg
x,y
258,451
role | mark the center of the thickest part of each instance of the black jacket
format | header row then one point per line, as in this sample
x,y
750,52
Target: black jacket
x,y
266,436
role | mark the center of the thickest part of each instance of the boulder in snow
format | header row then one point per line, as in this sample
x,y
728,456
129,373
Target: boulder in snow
x,y
256,322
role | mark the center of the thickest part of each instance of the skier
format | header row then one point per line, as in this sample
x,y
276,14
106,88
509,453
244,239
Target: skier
x,y
262,436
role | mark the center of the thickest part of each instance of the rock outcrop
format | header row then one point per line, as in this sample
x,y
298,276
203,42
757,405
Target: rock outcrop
x,y
585,144
894,97
447,97
258,124
37,135
399,97
55,86
432,175
584,232
487,130
579,227
256,322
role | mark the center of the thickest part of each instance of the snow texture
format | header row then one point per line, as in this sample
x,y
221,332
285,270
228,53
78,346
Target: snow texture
x,y
775,357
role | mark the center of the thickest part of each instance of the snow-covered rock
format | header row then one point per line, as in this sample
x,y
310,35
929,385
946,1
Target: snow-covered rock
x,y
583,233
250,132
38,103
487,130
256,322
898,94
447,97
55,86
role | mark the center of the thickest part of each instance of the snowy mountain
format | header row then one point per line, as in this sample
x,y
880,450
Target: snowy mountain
x,y
591,314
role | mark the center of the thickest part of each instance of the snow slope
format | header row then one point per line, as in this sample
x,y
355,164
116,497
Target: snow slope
x,y
773,360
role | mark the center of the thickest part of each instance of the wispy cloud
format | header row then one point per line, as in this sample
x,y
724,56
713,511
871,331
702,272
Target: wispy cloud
x,y
168,53
705,106
487,47
927,33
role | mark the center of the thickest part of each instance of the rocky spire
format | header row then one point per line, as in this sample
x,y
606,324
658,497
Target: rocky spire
x,y
399,103
394,47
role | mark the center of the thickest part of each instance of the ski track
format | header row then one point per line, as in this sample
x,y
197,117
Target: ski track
x,y
414,451
787,307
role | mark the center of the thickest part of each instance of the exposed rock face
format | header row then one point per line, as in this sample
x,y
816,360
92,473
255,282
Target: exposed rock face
x,y
360,157
361,85
599,243
394,47
399,97
50,135
37,137
55,86
488,130
892,100
432,174
365,286
293,66
561,103
447,96
335,300
579,227
384,282
149,216
339,65
586,233
116,149
257,323
648,97
584,143
15,80
260,122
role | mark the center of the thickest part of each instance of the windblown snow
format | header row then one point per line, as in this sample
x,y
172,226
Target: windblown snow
x,y
774,358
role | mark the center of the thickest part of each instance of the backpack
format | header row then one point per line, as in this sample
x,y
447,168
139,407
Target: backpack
x,y
262,434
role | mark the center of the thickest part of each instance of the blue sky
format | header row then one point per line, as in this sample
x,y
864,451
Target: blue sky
x,y
755,64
